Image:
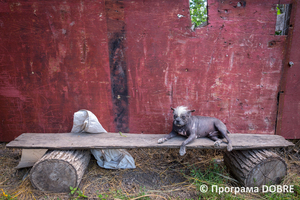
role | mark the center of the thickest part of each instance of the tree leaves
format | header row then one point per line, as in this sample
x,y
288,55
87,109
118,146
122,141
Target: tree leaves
x,y
198,11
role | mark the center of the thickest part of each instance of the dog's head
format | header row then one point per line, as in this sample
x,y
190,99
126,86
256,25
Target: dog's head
x,y
181,115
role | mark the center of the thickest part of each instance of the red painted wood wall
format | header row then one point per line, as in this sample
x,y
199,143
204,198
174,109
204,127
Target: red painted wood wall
x,y
130,61
288,120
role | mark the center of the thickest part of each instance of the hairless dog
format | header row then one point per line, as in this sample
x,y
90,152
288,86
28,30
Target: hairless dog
x,y
194,127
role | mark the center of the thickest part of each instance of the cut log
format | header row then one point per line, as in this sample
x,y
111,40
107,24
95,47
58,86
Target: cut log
x,y
57,170
254,168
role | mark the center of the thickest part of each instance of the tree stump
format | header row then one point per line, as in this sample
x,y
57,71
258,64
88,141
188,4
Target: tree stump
x,y
254,168
57,170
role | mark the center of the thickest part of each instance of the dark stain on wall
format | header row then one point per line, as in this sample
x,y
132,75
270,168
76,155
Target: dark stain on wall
x,y
119,81
116,36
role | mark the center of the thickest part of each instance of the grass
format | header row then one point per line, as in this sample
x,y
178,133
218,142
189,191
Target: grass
x,y
6,196
119,194
76,194
221,186
214,175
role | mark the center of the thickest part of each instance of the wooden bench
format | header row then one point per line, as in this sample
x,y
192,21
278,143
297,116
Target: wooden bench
x,y
250,161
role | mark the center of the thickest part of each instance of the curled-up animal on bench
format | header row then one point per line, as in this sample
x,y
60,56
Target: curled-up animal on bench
x,y
194,127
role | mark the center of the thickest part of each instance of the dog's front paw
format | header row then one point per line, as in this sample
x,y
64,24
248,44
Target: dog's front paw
x,y
182,150
229,147
217,143
161,140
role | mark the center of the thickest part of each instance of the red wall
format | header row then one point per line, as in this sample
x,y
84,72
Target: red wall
x,y
288,124
130,61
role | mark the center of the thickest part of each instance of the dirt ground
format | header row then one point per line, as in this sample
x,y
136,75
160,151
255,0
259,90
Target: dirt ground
x,y
159,174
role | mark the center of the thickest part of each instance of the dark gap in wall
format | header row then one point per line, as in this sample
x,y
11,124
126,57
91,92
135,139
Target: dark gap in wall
x,y
283,19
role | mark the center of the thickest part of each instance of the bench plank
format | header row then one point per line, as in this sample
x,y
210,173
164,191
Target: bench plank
x,y
129,140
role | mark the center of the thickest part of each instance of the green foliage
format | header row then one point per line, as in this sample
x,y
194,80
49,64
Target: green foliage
x,y
102,196
6,196
278,13
217,175
198,11
278,196
295,182
278,10
214,175
73,190
78,192
122,134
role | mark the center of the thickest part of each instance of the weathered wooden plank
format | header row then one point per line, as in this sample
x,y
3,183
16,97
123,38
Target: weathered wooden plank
x,y
129,140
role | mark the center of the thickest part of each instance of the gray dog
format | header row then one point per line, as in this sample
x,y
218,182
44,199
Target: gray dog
x,y
196,127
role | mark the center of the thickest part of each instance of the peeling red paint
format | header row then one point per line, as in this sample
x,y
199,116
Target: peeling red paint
x,y
42,57
55,60
224,70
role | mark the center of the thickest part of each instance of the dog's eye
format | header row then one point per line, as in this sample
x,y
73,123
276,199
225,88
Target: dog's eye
x,y
175,116
183,117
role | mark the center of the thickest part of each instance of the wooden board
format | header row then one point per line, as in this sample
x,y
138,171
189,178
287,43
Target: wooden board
x,y
29,157
129,140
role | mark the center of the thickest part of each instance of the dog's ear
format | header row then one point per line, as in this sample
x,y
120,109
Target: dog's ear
x,y
172,109
189,112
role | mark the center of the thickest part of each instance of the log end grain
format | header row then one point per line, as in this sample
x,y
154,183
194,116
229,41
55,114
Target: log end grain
x,y
254,168
271,171
56,171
